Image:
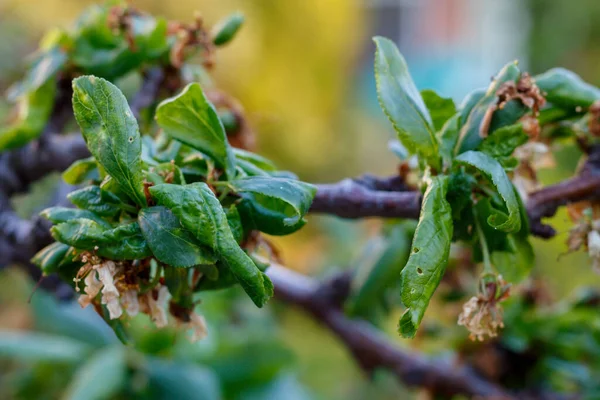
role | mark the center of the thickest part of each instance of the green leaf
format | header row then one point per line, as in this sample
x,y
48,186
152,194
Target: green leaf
x,y
374,276
474,127
123,243
402,103
448,137
33,112
224,31
493,171
190,118
259,161
440,108
111,132
50,257
170,242
235,224
96,200
502,143
199,211
43,68
80,171
57,215
429,256
102,376
566,89
182,381
98,50
159,173
36,347
274,205
516,262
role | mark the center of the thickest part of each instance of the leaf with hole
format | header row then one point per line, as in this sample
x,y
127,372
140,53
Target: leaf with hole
x,y
429,255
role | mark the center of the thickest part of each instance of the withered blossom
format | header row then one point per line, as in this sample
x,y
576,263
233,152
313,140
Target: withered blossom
x,y
482,314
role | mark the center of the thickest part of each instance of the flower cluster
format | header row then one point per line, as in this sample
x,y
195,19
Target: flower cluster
x,y
482,314
118,291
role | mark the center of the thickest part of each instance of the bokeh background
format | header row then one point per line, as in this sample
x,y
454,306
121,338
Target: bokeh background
x,y
303,70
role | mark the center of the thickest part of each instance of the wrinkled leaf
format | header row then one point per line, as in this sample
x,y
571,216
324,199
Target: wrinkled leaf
x,y
96,200
111,132
274,205
493,171
501,144
402,102
190,118
199,211
126,242
566,89
123,243
429,256
224,31
170,242
440,108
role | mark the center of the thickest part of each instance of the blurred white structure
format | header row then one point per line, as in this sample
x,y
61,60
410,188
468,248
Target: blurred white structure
x,y
453,46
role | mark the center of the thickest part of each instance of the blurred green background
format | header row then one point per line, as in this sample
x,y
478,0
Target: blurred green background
x,y
303,70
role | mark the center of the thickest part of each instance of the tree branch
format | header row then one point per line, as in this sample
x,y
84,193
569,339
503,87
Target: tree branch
x,y
373,350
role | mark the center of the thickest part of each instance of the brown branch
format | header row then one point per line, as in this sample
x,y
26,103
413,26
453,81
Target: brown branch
x,y
373,350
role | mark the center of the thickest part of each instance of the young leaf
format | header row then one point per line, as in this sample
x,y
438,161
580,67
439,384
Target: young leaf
x,y
111,132
226,29
170,242
199,211
440,108
274,205
478,121
58,215
566,89
96,200
33,112
190,118
492,170
429,256
50,257
402,103
79,171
